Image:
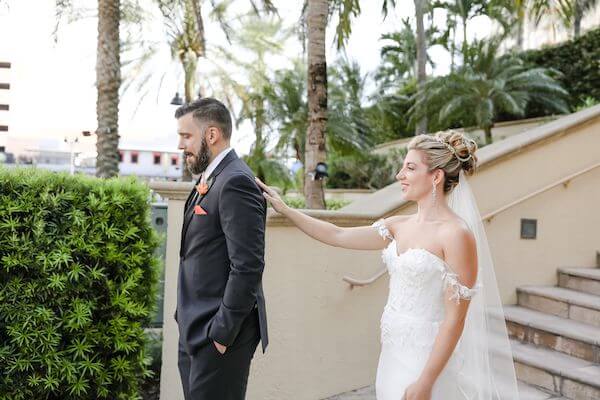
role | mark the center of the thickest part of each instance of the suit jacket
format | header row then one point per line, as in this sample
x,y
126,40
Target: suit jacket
x,y
222,258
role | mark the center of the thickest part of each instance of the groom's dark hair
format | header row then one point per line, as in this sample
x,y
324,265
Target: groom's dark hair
x,y
209,110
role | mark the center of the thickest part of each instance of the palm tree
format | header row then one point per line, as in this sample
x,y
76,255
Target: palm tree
x,y
351,8
286,98
421,59
568,13
486,86
185,27
108,81
465,10
112,14
399,57
347,127
184,21
348,131
317,13
259,38
580,8
108,78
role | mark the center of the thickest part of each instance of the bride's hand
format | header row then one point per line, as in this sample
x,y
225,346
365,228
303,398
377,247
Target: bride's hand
x,y
417,391
273,197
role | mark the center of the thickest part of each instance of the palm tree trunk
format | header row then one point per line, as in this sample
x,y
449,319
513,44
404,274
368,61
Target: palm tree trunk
x,y
520,30
197,11
189,69
108,81
318,11
189,60
453,45
464,43
488,134
577,16
421,58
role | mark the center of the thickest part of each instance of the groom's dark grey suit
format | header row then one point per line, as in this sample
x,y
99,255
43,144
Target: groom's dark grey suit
x,y
220,296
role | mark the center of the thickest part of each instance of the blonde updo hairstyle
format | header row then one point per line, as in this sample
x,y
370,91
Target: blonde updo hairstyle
x,y
450,151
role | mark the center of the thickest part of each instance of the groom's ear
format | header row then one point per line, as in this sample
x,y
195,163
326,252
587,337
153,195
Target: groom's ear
x,y
215,135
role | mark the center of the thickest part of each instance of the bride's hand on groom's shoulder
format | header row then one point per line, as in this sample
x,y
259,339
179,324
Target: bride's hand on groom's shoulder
x,y
272,197
417,391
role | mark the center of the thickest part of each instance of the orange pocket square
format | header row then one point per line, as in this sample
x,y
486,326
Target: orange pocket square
x,y
199,210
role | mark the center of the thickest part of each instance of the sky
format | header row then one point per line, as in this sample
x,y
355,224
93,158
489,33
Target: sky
x,y
52,81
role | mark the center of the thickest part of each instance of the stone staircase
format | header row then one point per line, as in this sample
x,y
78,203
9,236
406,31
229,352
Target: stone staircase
x,y
555,334
555,339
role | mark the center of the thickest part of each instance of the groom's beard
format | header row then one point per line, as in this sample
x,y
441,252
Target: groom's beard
x,y
199,162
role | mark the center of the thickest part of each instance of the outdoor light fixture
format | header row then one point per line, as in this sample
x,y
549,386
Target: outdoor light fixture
x,y
177,101
528,228
320,172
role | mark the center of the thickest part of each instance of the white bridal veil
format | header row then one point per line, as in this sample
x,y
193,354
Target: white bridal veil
x,y
488,371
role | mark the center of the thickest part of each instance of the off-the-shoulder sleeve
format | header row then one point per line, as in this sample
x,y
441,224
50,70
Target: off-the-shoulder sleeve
x,y
458,290
382,229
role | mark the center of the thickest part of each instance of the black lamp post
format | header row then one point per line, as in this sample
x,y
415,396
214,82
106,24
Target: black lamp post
x,y
320,172
177,101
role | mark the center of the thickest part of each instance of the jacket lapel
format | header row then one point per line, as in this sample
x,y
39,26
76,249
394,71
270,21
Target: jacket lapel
x,y
186,213
189,210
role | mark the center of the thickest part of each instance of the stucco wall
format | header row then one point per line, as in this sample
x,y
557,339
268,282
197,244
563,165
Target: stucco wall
x,y
325,337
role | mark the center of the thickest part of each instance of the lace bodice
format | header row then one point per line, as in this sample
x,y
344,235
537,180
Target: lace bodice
x,y
419,280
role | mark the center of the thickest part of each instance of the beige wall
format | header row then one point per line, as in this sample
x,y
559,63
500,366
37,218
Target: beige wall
x,y
337,194
170,384
325,337
567,217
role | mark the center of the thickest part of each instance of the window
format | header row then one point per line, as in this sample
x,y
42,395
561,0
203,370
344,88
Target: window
x,y
120,156
175,160
134,157
157,158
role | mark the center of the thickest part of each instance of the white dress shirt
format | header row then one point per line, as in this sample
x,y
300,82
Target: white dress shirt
x,y
215,163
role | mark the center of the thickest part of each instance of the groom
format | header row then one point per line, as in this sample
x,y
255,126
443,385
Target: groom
x,y
220,302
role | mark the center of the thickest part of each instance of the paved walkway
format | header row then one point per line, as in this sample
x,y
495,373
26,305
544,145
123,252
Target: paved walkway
x,y
527,392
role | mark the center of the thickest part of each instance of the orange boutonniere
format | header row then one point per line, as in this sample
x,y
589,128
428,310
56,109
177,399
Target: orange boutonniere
x,y
202,188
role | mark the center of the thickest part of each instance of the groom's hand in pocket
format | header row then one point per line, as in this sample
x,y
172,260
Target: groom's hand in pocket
x,y
220,348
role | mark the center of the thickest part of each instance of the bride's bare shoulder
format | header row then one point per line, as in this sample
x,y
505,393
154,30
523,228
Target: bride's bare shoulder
x,y
455,230
395,220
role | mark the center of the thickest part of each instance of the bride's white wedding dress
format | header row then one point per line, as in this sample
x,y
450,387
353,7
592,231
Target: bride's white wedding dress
x,y
419,280
481,365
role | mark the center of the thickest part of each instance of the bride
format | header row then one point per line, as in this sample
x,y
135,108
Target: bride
x,y
443,335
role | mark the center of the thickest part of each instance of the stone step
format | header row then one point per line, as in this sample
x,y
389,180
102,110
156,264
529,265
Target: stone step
x,y
562,302
526,392
568,376
582,279
573,338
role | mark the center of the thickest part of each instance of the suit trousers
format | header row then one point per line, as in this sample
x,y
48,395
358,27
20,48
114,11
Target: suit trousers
x,y
210,375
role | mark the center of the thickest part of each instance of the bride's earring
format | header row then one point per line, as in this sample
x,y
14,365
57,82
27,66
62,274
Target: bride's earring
x,y
434,194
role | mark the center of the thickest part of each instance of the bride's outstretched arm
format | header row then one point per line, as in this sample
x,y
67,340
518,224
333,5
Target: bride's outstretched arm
x,y
461,255
357,238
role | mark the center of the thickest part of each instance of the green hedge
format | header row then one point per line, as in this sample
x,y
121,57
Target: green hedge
x,y
78,281
579,62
